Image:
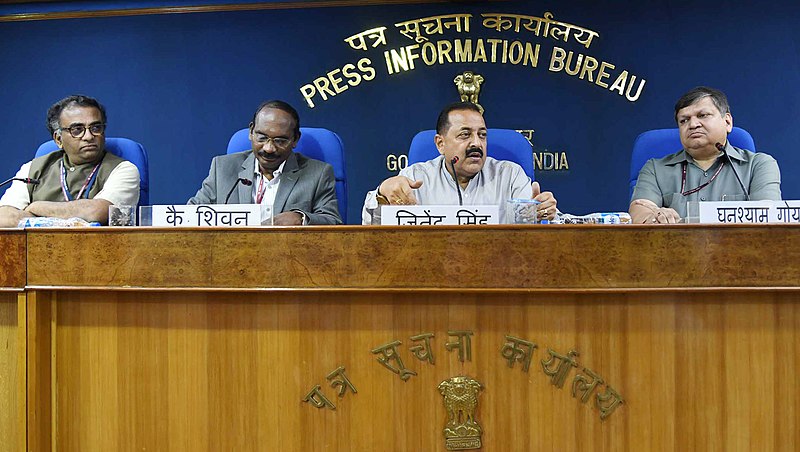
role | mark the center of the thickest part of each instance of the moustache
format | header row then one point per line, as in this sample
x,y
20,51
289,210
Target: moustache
x,y
474,152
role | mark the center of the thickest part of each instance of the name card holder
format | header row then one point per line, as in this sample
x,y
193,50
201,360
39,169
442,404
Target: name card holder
x,y
230,215
749,212
439,215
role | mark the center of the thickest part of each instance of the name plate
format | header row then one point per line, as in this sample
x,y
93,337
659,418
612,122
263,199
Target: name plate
x,y
750,212
210,215
441,215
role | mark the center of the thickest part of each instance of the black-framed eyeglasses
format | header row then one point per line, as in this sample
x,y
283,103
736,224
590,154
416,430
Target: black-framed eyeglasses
x,y
280,142
78,130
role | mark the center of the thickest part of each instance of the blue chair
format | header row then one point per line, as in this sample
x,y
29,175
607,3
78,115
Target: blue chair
x,y
502,144
128,150
316,143
658,143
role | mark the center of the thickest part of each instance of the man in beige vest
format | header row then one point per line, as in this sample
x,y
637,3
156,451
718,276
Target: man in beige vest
x,y
80,179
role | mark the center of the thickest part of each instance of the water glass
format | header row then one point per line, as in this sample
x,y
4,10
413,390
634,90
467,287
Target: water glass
x,y
121,215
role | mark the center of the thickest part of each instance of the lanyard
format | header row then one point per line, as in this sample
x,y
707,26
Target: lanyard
x,y
698,188
262,187
87,186
260,192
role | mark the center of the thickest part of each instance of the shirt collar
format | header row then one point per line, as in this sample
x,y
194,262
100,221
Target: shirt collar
x,y
68,164
683,156
449,177
275,174
736,153
678,157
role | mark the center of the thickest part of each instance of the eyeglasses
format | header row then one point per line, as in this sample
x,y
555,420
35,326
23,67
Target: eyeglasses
x,y
280,142
78,130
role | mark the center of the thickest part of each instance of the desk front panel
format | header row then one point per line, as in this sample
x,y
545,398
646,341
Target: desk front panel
x,y
12,259
549,257
12,338
229,371
210,339
11,361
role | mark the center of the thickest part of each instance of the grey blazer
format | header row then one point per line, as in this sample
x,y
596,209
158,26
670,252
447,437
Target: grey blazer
x,y
306,184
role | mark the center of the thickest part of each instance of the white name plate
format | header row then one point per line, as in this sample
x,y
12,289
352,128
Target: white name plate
x,y
441,215
210,215
750,212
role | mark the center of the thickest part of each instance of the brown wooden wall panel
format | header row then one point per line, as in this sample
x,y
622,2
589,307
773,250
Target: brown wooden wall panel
x,y
353,257
9,377
220,371
12,259
82,13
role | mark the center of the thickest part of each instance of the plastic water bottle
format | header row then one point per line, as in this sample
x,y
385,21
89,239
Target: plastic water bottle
x,y
609,218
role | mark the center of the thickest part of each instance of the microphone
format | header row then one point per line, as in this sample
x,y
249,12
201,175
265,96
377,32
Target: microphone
x,y
455,179
26,180
721,148
245,182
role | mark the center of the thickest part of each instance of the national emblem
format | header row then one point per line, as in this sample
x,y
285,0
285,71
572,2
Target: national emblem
x,y
462,431
469,87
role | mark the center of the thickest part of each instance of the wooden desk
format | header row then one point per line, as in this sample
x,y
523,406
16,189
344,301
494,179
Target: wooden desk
x,y
153,339
12,339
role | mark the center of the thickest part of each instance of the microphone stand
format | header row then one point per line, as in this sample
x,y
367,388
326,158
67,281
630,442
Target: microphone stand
x,y
246,182
722,149
26,180
455,179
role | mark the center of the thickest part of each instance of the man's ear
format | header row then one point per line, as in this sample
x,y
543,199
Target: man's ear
x,y
438,140
57,139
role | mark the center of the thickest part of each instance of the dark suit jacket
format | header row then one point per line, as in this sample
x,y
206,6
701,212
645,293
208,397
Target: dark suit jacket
x,y
306,184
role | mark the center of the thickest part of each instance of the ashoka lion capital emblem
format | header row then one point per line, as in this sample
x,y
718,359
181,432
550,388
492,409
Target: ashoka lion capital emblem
x,y
469,87
462,431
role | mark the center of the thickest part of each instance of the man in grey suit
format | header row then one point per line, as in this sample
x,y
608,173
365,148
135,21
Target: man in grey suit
x,y
301,190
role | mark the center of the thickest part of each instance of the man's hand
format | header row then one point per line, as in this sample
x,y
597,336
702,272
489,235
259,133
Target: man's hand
x,y
399,190
546,210
644,211
11,216
288,219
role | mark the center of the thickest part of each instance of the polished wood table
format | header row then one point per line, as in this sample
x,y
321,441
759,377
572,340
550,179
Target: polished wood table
x,y
679,337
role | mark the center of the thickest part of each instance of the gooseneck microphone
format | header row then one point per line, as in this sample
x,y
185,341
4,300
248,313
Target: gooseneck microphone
x,y
26,180
243,181
721,148
455,179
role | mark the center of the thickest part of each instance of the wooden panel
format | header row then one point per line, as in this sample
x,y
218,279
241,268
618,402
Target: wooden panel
x,y
39,371
12,344
219,371
786,369
12,339
12,259
582,258
86,13
9,381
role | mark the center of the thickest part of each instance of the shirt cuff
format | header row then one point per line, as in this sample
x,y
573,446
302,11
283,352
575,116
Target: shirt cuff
x,y
303,214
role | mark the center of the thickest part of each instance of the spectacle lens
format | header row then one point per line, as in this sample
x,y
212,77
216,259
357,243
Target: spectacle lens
x,y
279,142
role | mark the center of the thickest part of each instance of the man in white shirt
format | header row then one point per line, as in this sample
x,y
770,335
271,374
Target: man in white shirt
x,y
460,135
80,179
